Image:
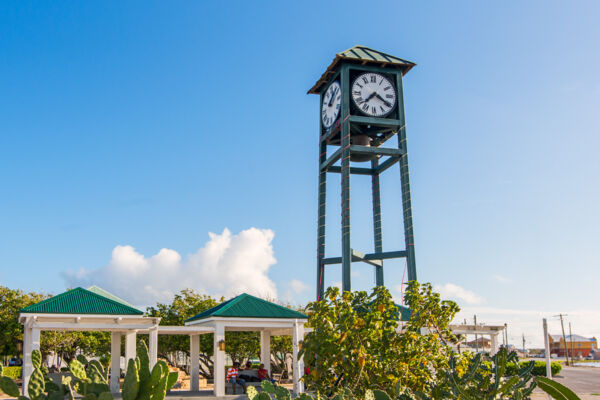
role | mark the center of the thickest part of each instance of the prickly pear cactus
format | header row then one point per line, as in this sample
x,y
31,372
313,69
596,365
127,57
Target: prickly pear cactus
x,y
251,392
131,384
105,396
78,370
99,368
36,359
9,387
36,385
81,358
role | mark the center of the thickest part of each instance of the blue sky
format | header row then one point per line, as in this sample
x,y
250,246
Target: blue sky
x,y
150,124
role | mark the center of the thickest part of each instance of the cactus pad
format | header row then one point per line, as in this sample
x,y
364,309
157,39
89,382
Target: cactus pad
x,y
131,384
105,396
9,387
78,370
36,385
251,392
36,359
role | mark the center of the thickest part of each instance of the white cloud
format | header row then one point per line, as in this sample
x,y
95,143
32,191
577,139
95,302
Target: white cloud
x,y
337,284
455,292
298,286
227,265
501,279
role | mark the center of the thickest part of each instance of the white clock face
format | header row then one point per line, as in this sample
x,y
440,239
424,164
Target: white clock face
x,y
374,94
332,100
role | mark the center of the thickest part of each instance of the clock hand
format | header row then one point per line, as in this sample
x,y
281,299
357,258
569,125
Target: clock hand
x,y
370,97
332,97
387,103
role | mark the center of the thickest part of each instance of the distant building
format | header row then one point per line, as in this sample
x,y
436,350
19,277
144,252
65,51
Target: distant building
x,y
578,346
481,343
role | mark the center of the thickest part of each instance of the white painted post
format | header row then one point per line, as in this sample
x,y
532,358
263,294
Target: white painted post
x,y
115,361
195,363
547,352
130,350
265,350
219,361
153,346
27,347
298,364
494,343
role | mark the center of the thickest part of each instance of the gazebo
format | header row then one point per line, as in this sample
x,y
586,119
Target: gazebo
x,y
94,309
249,313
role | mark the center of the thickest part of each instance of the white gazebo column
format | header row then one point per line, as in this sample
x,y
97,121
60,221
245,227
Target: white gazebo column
x,y
265,349
298,363
130,351
115,361
219,361
493,343
31,341
195,363
153,346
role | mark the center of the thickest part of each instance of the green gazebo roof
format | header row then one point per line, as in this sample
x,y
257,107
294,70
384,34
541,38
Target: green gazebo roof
x,y
361,55
248,306
83,301
405,312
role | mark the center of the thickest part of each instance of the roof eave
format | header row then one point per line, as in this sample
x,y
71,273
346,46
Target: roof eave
x,y
322,81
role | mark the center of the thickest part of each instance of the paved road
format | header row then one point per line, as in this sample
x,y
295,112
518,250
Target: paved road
x,y
581,380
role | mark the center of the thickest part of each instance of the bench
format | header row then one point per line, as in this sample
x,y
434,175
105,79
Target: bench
x,y
241,374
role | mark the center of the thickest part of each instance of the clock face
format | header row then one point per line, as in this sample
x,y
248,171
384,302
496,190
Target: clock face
x,y
332,100
374,94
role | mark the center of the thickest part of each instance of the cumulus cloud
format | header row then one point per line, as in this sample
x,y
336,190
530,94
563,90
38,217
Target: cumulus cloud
x,y
298,286
455,292
228,264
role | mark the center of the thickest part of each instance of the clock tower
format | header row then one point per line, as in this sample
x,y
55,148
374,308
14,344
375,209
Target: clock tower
x,y
362,107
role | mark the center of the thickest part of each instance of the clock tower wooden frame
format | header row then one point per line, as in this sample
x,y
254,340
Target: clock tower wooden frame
x,y
345,136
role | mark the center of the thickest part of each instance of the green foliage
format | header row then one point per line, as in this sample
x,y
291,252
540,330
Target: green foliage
x,y
539,368
37,384
9,387
480,381
12,372
354,341
555,389
78,370
11,331
141,383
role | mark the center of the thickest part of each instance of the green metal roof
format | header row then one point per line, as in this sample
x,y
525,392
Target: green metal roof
x,y
248,306
83,301
362,55
108,295
405,312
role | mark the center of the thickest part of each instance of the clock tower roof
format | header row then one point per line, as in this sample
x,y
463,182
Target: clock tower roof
x,y
361,55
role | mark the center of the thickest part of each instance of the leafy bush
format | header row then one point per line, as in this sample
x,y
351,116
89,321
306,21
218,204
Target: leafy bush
x,y
539,368
354,342
12,372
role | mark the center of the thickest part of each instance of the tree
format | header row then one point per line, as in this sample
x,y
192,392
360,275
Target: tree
x,y
355,341
11,330
185,305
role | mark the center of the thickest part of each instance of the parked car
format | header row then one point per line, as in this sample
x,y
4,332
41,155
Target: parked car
x,y
15,362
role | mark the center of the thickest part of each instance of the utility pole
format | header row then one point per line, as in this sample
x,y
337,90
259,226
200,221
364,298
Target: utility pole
x,y
476,342
523,345
571,340
506,333
562,325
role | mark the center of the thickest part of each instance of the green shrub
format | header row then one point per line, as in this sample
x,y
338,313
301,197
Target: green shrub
x,y
539,368
13,372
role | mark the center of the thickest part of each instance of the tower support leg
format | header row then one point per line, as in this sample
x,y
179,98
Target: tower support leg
x,y
405,183
378,244
345,172
321,222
